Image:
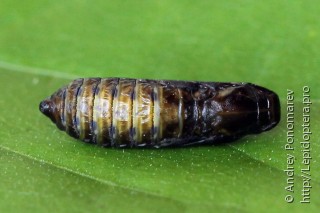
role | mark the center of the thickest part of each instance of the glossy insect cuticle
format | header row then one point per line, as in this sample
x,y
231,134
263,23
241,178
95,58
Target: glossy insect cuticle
x,y
133,113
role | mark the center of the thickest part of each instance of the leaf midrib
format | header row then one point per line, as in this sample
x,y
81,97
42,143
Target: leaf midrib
x,y
60,74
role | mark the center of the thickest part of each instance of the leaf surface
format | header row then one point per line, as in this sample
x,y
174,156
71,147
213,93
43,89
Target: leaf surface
x,y
273,44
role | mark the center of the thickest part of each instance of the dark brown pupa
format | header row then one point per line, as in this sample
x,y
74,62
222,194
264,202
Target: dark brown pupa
x,y
122,112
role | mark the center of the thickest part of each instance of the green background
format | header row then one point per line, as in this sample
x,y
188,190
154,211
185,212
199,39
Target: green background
x,y
45,44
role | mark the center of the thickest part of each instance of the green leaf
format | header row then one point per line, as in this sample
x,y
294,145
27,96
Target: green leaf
x,y
274,44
